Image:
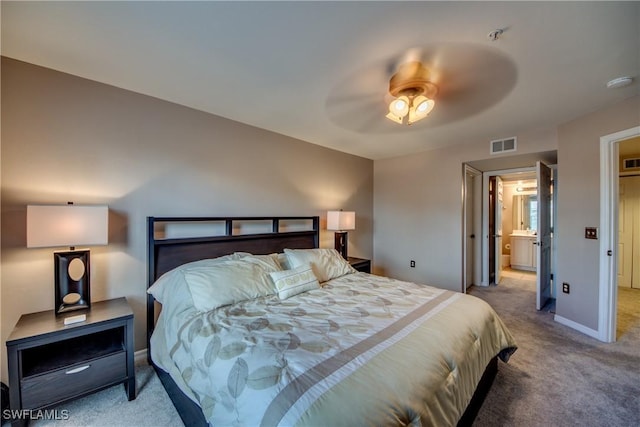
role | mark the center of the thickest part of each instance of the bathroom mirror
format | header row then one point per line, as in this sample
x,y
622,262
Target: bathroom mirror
x,y
525,212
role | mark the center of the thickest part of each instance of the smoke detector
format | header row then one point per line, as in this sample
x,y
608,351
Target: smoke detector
x,y
619,82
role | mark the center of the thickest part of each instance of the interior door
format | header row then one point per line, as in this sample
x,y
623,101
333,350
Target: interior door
x,y
629,232
469,226
625,236
543,240
635,280
498,226
492,230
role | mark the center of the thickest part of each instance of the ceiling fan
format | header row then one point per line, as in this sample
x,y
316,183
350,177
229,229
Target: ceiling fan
x,y
462,78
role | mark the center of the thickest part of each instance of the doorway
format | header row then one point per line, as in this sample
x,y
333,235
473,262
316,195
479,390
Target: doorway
x,y
517,226
478,216
609,230
471,226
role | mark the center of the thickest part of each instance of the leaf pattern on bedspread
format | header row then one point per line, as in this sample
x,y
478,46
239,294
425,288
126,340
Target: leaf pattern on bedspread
x,y
237,358
237,379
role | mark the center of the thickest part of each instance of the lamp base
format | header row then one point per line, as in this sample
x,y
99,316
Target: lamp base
x,y
71,281
341,243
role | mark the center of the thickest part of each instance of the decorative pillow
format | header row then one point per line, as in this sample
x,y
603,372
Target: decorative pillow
x,y
228,282
292,282
327,264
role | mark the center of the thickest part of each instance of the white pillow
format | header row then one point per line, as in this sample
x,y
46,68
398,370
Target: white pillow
x,y
292,282
327,264
271,261
171,285
228,282
284,261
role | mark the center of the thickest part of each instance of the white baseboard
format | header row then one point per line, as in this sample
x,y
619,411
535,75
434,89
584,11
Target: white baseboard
x,y
577,326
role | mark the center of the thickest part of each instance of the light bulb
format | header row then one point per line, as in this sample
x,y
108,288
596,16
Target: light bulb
x,y
399,105
423,106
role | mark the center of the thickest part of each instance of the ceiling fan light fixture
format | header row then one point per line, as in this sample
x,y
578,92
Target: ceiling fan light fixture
x,y
399,106
395,118
421,108
423,105
412,92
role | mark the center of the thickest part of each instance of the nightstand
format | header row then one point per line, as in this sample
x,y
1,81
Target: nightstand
x,y
50,363
360,264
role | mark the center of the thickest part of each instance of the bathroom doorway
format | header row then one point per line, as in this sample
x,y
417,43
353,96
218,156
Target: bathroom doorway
x,y
494,166
518,229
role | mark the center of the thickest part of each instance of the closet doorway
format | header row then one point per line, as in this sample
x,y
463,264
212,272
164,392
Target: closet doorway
x,y
612,223
628,308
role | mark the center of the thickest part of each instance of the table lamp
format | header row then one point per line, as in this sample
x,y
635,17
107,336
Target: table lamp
x,y
68,225
340,222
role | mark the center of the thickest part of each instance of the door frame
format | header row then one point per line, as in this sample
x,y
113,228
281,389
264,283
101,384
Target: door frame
x,y
476,219
609,183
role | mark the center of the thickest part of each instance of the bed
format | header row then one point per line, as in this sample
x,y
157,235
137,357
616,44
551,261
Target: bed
x,y
258,326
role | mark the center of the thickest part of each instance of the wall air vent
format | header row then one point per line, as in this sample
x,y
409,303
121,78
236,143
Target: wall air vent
x,y
631,164
499,146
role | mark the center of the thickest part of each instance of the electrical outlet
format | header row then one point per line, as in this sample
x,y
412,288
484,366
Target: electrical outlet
x,y
412,264
591,233
566,287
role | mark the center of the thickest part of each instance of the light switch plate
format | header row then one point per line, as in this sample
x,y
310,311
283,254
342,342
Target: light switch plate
x,y
591,233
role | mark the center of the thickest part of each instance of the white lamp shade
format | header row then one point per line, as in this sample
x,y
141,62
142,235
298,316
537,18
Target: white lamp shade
x,y
67,225
341,220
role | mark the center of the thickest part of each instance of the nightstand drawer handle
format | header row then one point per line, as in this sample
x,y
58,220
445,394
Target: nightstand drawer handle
x,y
79,369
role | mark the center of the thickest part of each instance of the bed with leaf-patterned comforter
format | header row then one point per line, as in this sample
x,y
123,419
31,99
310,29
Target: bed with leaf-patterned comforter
x,y
362,349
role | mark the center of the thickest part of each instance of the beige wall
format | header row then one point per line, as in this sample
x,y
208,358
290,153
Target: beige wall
x,y
69,139
579,206
418,209
418,214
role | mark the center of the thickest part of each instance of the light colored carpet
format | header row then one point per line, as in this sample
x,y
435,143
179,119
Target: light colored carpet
x,y
110,407
628,310
558,377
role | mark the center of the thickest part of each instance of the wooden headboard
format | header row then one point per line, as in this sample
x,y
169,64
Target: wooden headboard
x,y
268,235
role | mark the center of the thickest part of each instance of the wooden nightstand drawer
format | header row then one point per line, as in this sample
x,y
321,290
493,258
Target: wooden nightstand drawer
x,y
73,380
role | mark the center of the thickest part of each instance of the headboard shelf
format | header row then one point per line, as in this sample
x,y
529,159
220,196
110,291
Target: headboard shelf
x,y
232,237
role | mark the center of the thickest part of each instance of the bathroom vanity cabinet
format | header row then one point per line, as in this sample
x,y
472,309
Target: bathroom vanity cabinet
x,y
524,254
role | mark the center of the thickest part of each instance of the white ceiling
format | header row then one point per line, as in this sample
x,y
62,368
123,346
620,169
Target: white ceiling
x,y
319,71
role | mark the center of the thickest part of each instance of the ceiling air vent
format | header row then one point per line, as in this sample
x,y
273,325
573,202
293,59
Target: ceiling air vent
x,y
631,164
498,146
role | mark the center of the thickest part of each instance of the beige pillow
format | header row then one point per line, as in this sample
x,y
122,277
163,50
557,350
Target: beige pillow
x,y
228,282
271,261
292,282
327,264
